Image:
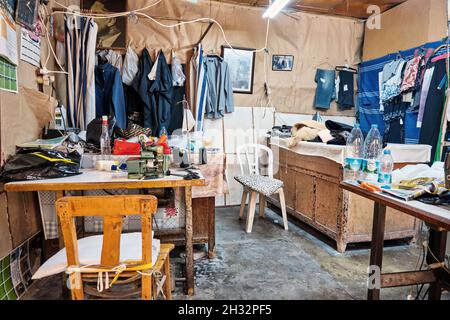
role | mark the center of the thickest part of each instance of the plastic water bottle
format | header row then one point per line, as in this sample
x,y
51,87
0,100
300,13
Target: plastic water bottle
x,y
373,147
386,168
105,140
354,154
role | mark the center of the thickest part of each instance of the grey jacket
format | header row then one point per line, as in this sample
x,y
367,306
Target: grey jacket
x,y
219,98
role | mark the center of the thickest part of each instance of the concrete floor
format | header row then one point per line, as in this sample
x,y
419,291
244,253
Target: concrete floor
x,y
271,263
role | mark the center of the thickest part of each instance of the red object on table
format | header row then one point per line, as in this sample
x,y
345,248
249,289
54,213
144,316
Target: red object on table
x,y
123,147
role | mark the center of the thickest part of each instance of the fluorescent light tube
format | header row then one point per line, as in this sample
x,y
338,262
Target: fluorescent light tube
x,y
275,8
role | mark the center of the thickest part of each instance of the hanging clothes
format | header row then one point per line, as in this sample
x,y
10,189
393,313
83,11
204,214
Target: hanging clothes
x,y
80,32
113,57
177,72
141,84
109,94
432,115
201,90
325,91
130,66
219,96
345,95
161,91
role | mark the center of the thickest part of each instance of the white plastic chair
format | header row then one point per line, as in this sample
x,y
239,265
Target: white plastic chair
x,y
255,183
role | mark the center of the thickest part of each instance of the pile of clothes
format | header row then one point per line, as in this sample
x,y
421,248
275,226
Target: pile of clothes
x,y
330,132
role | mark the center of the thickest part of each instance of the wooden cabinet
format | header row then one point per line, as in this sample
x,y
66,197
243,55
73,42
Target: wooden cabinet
x,y
313,195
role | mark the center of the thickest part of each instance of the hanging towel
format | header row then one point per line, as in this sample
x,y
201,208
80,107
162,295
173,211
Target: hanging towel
x,y
177,72
130,66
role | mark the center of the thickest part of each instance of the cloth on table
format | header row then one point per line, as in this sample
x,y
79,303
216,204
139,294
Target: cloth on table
x,y
262,184
214,173
325,91
305,131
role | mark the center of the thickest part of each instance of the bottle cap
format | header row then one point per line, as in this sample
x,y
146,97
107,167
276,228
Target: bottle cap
x,y
375,126
386,151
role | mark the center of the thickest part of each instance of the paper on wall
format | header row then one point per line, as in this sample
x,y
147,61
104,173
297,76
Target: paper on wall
x,y
8,39
30,48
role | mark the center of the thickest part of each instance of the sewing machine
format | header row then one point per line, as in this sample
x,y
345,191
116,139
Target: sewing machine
x,y
149,165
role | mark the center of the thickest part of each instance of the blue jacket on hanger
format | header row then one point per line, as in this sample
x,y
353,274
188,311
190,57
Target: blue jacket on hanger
x,y
162,91
141,85
109,96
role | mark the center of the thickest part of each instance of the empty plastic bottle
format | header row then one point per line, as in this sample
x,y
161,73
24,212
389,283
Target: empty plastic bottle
x,y
354,154
105,140
386,168
373,147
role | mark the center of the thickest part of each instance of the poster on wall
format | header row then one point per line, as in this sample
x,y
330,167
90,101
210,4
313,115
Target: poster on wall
x,y
8,38
30,48
282,62
111,31
241,62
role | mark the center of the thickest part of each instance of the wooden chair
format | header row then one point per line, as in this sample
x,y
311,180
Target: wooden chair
x,y
254,183
113,209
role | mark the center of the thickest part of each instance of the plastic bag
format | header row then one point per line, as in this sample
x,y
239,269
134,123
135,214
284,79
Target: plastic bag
x,y
130,66
177,72
38,164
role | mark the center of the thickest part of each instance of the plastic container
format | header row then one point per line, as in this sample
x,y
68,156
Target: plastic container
x,y
386,168
373,147
105,140
354,154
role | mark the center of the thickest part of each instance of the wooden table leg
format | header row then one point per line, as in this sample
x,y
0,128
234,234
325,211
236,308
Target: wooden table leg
x,y
189,242
376,251
65,290
437,243
211,227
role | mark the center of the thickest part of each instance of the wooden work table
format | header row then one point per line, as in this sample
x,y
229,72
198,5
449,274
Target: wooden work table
x,y
436,217
92,180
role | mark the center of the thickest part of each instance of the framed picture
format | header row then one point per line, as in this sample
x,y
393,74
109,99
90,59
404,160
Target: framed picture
x,y
26,13
111,32
282,62
241,62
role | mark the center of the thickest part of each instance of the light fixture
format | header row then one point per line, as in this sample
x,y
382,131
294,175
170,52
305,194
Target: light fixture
x,y
274,8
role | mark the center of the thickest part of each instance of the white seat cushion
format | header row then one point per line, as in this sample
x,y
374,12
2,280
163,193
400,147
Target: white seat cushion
x,y
90,251
265,185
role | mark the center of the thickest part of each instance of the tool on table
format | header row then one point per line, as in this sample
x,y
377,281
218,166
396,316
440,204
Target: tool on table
x,y
190,175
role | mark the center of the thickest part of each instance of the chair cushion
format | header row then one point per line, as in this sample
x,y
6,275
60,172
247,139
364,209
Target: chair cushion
x,y
90,251
265,185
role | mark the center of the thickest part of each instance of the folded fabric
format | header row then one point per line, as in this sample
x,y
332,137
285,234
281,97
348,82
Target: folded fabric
x,y
90,252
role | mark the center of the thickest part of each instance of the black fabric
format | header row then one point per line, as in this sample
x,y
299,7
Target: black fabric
x,y
161,91
442,200
134,105
337,126
429,133
394,118
346,96
141,85
177,111
31,164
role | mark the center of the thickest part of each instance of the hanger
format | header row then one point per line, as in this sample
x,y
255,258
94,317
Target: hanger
x,y
399,56
346,68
